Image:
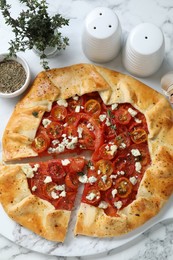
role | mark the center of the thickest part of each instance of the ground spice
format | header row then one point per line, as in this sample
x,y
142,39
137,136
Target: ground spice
x,y
12,76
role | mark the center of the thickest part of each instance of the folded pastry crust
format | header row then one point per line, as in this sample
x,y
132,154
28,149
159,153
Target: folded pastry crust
x,y
156,186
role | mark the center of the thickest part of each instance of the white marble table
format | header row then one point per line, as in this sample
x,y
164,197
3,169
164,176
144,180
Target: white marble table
x,y
157,242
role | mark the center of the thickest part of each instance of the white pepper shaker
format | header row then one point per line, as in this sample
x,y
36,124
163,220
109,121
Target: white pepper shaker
x,y
144,50
102,35
167,85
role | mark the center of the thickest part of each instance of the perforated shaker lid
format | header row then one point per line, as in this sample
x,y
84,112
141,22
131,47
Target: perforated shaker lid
x,y
146,39
101,22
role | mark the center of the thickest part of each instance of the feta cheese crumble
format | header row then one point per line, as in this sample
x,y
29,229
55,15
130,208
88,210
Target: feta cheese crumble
x,y
65,162
132,112
103,205
138,166
48,179
62,102
135,152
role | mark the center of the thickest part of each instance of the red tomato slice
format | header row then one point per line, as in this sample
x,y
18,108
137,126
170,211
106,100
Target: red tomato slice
x,y
41,142
106,153
76,165
124,187
122,116
138,136
92,107
144,157
56,171
111,211
59,113
72,181
54,130
104,167
65,203
72,104
91,196
125,163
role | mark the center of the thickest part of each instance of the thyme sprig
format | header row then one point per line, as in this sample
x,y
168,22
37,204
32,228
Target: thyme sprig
x,y
34,27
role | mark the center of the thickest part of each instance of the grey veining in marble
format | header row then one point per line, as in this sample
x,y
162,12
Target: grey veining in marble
x,y
157,243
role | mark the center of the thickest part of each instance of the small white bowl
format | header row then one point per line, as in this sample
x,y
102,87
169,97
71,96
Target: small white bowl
x,y
28,76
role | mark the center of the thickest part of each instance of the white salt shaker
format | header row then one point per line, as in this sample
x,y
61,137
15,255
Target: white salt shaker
x,y
167,85
144,50
102,35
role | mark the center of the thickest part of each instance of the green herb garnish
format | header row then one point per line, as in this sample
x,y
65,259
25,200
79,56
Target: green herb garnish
x,y
35,113
80,173
34,27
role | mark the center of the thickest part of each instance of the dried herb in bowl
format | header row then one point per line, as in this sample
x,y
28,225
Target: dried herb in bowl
x,y
12,76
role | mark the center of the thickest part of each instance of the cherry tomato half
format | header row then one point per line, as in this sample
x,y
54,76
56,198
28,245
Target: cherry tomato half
x,y
104,184
104,167
59,113
106,152
88,137
122,116
65,203
92,107
138,136
54,130
41,142
124,187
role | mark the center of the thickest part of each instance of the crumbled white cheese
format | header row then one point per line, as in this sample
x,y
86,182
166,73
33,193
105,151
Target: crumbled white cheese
x,y
113,176
102,117
138,121
54,142
60,187
29,171
114,192
48,179
92,179
46,122
114,106
76,98
63,193
54,195
65,162
133,180
132,112
90,127
120,172
103,205
113,149
83,178
135,152
79,131
138,166
77,109
62,102
34,188
118,204
91,196
104,178
108,123
122,146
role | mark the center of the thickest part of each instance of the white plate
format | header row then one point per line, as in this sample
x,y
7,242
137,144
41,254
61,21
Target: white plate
x,y
73,246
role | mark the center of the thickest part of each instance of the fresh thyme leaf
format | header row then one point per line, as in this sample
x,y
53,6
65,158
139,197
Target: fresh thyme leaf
x,y
89,164
35,113
80,173
34,27
110,114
